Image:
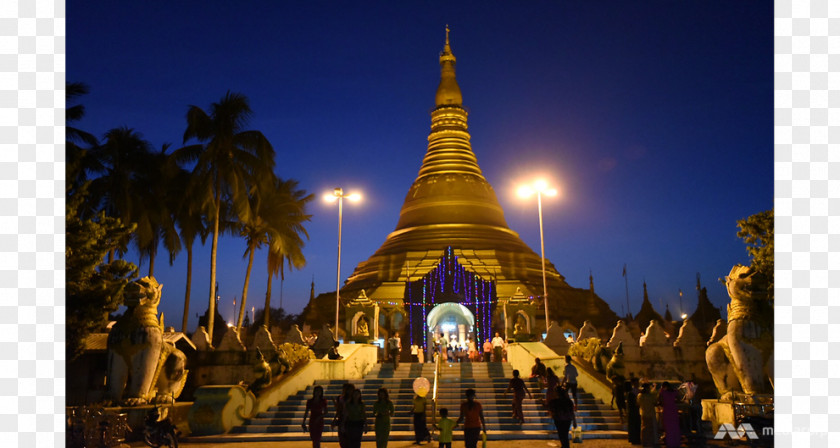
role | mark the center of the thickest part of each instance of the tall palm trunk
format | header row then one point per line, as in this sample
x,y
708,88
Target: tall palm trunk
x,y
187,293
152,264
251,248
267,301
211,309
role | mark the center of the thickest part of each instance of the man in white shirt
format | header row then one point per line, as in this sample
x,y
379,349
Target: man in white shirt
x,y
498,345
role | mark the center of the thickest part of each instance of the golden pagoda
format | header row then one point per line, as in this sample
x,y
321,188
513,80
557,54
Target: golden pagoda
x,y
451,225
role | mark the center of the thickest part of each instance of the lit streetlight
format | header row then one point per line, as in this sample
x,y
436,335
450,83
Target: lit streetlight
x,y
540,188
338,194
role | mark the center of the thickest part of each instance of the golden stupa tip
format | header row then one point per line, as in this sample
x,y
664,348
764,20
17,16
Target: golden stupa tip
x,y
448,92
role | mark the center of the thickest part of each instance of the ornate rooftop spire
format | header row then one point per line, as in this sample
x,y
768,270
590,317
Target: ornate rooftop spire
x,y
448,92
647,313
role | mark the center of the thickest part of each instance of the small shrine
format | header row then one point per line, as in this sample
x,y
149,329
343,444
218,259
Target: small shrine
x,y
362,319
520,317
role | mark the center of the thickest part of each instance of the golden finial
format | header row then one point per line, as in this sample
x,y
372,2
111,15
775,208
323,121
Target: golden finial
x,y
447,34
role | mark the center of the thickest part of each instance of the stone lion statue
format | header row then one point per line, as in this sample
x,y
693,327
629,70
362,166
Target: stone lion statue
x,y
142,368
262,374
742,360
615,368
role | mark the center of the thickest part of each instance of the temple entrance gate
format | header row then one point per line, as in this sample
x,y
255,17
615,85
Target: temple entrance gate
x,y
449,299
453,321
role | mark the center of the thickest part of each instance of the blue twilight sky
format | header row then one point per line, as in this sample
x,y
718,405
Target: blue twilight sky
x,y
653,117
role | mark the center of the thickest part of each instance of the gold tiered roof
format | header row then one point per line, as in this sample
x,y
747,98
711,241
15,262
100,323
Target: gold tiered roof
x,y
450,203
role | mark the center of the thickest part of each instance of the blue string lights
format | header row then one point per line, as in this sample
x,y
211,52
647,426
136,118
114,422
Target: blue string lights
x,y
450,282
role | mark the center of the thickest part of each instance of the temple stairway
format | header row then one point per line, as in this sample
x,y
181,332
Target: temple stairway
x,y
282,422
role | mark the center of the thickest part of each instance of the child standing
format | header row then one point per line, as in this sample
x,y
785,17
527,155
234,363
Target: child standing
x,y
445,426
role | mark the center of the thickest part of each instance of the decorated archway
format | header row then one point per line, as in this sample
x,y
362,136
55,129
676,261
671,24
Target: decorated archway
x,y
464,292
442,313
453,321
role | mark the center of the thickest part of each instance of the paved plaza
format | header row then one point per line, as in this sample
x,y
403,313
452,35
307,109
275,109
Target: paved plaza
x,y
541,443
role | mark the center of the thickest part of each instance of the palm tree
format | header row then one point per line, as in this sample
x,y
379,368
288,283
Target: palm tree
x,y
115,191
275,216
78,144
280,252
190,222
155,205
227,159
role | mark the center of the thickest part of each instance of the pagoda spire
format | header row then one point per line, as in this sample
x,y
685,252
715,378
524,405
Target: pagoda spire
x,y
312,290
451,204
448,91
647,313
668,317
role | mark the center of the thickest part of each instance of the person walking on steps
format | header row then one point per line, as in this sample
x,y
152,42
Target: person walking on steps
x,y
421,431
562,411
316,408
551,383
339,420
570,374
519,390
445,426
394,346
472,415
443,343
487,349
383,410
355,420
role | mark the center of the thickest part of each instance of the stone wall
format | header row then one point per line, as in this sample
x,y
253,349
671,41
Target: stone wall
x,y
655,355
233,363
220,408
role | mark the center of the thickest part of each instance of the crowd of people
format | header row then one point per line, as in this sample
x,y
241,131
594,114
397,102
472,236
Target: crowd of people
x,y
560,395
351,418
644,423
451,349
648,410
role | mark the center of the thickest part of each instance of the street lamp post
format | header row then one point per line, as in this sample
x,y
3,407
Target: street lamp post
x,y
338,193
540,187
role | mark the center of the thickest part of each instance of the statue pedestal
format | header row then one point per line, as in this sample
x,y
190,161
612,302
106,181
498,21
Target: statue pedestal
x,y
718,412
754,409
217,409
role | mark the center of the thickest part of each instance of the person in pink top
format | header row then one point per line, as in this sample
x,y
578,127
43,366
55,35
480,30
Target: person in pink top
x,y
472,415
670,416
316,407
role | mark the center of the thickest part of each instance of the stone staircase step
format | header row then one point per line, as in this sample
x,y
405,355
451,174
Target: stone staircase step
x,y
282,422
331,436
